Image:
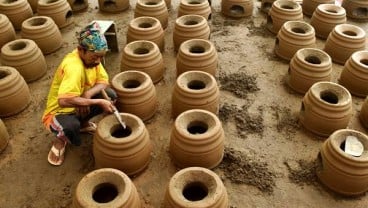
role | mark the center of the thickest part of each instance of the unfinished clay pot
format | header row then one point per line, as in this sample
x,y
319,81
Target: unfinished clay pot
x,y
145,56
26,57
16,10
43,31
106,187
363,115
197,55
281,12
309,6
59,10
146,28
14,92
196,187
237,8
190,27
326,17
78,5
356,9
198,7
7,32
152,8
342,172
326,107
113,6
197,139
136,94
343,41
128,150
308,66
266,5
4,135
293,36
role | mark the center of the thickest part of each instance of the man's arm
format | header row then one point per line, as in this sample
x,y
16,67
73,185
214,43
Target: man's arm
x,y
94,90
78,102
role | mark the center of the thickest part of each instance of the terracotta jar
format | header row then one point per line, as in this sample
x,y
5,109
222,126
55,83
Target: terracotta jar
x,y
293,36
43,31
152,8
106,187
363,115
196,187
145,56
128,150
326,107
7,32
146,28
113,6
309,6
59,10
190,27
356,9
14,92
78,5
341,171
308,66
198,7
343,41
326,17
16,10
237,8
4,135
281,12
26,57
136,94
195,90
197,139
266,5
197,55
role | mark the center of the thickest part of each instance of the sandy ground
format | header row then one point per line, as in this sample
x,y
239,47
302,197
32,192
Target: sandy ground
x,y
269,159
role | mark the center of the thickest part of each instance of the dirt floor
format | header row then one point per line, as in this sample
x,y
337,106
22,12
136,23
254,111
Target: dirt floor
x,y
269,158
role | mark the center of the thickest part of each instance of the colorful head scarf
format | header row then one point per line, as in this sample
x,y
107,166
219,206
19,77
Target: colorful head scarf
x,y
91,38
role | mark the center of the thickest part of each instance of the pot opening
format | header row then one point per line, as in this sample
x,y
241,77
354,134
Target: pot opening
x,y
197,127
197,49
236,10
196,85
191,22
120,132
331,11
104,193
350,33
329,97
18,46
287,6
360,12
194,2
109,3
4,74
145,25
69,14
313,60
195,191
131,84
298,30
364,61
141,51
38,21
150,3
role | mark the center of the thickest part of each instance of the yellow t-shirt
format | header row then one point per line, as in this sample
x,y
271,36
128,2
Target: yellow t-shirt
x,y
71,79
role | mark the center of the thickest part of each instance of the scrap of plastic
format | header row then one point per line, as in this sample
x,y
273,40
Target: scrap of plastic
x,y
353,146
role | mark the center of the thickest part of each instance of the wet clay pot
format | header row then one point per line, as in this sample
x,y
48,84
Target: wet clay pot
x,y
190,27
59,10
145,56
128,150
152,8
281,12
7,32
307,67
136,94
113,6
106,187
78,5
363,115
326,17
326,107
195,90
196,187
26,57
146,28
16,10
43,31
266,5
342,172
4,135
343,41
293,36
197,55
197,139
198,7
237,8
14,92
356,9
309,6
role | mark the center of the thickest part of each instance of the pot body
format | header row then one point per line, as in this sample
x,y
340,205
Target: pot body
x,y
356,9
309,6
4,136
198,7
17,11
281,12
113,6
59,10
152,8
363,115
237,8
7,32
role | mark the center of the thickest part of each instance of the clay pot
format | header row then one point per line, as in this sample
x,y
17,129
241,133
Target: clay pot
x,y
152,8
197,139
237,8
14,92
78,5
113,6
195,90
326,17
343,41
196,187
146,28
309,6
308,66
145,56
106,187
7,32
4,135
136,94
197,55
128,150
281,12
326,107
266,5
198,7
59,10
356,9
33,4
43,31
293,36
26,57
363,116
342,172
16,10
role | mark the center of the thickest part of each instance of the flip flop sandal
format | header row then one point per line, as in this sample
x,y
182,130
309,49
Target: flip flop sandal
x,y
58,153
90,129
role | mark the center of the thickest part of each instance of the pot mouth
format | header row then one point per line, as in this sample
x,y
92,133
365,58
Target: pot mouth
x,y
145,22
331,93
4,72
190,20
361,58
287,5
151,3
313,56
131,81
196,47
331,9
140,48
37,21
196,122
194,3
299,28
350,31
196,81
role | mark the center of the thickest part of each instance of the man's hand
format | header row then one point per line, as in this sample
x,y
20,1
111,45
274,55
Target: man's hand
x,y
106,105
